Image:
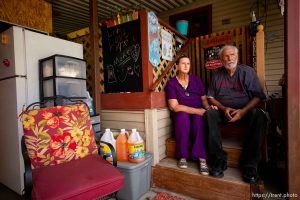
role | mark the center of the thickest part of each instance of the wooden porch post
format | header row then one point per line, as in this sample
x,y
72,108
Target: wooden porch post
x,y
94,34
293,94
260,55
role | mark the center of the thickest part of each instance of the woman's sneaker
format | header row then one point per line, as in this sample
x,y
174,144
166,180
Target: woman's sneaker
x,y
182,163
203,167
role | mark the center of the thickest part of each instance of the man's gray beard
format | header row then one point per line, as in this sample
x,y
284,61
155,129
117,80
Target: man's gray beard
x,y
231,66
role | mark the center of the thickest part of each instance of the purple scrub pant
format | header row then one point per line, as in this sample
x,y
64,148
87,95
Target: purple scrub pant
x,y
186,124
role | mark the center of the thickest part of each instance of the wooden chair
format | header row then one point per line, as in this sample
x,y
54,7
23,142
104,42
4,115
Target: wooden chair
x,y
61,156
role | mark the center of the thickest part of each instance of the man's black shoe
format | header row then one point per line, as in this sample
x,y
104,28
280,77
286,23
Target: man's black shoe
x,y
217,170
250,175
216,173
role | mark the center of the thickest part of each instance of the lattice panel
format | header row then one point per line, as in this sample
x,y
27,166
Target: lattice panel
x,y
101,61
87,55
157,71
85,41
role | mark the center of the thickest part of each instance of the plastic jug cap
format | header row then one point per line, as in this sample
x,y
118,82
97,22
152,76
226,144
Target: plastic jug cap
x,y
107,130
122,130
133,130
88,94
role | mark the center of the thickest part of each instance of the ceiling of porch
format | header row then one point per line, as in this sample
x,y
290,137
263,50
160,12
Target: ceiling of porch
x,y
72,15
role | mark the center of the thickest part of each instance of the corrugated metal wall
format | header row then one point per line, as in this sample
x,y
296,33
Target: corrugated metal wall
x,y
239,14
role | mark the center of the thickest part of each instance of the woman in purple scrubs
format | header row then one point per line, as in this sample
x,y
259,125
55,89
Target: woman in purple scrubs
x,y
187,101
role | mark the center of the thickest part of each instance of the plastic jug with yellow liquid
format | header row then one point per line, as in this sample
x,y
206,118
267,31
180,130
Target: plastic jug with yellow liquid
x,y
136,147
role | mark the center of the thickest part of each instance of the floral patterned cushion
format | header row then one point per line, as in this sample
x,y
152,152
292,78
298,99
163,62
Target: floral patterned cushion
x,y
58,134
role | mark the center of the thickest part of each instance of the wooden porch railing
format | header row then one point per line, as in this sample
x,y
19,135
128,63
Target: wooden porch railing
x,y
260,55
196,49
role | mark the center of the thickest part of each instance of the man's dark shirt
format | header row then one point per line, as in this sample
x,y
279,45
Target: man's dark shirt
x,y
235,91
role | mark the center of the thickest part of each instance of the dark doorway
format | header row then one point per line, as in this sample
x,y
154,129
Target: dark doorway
x,y
200,21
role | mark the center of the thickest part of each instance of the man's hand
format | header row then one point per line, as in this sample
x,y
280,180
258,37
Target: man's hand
x,y
236,115
228,112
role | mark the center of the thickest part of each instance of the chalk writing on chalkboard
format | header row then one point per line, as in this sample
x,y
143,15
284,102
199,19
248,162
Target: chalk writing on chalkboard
x,y
117,40
122,58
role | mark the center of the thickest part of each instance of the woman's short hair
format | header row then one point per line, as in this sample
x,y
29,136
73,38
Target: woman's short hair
x,y
228,47
180,57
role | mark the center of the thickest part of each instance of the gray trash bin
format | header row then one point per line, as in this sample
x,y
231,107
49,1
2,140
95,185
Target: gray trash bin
x,y
137,178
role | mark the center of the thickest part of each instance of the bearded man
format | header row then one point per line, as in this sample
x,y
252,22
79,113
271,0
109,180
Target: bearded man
x,y
236,91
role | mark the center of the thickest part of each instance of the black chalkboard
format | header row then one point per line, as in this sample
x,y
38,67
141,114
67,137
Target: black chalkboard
x,y
122,58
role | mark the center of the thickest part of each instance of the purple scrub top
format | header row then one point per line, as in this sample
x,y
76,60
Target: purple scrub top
x,y
191,96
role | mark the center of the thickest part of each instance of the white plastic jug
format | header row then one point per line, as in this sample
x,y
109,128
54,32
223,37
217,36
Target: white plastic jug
x,y
104,149
136,147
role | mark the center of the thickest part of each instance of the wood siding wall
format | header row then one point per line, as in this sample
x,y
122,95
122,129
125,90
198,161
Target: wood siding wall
x,y
154,125
116,119
158,129
239,14
164,129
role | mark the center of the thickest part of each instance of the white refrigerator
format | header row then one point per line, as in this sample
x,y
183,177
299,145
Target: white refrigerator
x,y
20,51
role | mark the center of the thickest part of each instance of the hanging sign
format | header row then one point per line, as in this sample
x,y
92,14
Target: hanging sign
x,y
166,43
216,41
153,40
212,58
212,47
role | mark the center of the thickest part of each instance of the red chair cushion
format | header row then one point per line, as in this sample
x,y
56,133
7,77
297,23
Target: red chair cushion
x,y
58,134
90,177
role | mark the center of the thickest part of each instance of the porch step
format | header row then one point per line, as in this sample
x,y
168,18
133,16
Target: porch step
x,y
189,182
233,147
